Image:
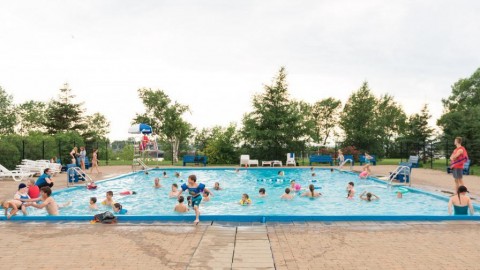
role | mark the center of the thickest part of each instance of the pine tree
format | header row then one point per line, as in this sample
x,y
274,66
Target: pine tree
x,y
64,115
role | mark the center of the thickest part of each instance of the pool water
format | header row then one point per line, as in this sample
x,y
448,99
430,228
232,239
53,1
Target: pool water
x,y
333,202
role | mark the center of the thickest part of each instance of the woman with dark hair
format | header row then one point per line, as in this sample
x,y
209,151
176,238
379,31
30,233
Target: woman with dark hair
x,y
460,202
311,192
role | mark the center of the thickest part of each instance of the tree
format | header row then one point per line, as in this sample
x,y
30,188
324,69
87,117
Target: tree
x,y
462,114
274,127
63,114
219,144
97,127
32,117
165,117
325,115
7,115
370,123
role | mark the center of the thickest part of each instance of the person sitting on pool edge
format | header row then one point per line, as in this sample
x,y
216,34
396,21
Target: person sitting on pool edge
x,y
286,195
245,199
368,196
118,209
460,202
311,192
350,190
180,207
45,180
195,190
261,192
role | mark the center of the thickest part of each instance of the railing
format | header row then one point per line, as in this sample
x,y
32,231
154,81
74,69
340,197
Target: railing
x,y
76,170
140,163
403,170
345,162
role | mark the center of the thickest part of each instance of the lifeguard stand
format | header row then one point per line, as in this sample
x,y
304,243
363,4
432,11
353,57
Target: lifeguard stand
x,y
141,150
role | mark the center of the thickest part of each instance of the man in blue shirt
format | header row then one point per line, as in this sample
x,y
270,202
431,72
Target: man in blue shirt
x,y
45,180
195,190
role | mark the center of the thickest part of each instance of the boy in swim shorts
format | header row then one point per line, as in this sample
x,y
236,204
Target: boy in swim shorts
x,y
195,190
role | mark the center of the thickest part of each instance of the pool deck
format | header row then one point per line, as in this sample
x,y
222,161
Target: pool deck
x,y
222,245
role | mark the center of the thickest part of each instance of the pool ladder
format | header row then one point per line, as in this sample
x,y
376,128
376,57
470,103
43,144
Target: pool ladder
x,y
139,162
81,174
345,162
401,170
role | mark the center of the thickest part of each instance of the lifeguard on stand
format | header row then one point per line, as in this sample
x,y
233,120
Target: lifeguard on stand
x,y
145,141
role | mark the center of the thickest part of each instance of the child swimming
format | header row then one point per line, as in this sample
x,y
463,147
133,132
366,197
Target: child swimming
x,y
93,203
287,195
261,192
180,207
311,192
165,174
15,205
206,196
109,199
217,186
118,209
174,191
281,173
350,190
245,199
294,186
128,192
368,196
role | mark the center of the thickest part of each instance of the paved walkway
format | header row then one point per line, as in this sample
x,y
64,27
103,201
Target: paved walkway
x,y
357,245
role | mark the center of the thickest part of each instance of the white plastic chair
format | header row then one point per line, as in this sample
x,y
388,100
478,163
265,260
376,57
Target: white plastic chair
x,y
244,159
291,159
15,174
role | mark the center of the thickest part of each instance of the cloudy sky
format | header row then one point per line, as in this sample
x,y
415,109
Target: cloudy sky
x,y
214,55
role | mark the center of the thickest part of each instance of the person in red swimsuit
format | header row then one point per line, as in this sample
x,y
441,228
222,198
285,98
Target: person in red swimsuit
x,y
458,159
145,141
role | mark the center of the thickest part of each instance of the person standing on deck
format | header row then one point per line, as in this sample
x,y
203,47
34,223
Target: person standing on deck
x,y
458,159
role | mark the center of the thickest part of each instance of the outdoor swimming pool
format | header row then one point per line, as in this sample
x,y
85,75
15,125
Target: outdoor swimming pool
x,y
151,202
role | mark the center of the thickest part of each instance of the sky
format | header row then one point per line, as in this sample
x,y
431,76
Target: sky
x,y
215,55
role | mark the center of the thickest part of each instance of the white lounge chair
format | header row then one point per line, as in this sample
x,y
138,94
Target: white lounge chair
x,y
291,159
15,174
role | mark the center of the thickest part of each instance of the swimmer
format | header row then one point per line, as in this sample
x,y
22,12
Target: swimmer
x,y
146,172
156,183
217,186
311,169
93,203
128,192
368,196
206,196
109,199
287,195
174,191
294,186
311,192
118,209
237,170
364,174
48,202
261,192
331,170
460,203
281,173
399,194
245,199
181,207
177,174
314,174
350,190
92,185
165,174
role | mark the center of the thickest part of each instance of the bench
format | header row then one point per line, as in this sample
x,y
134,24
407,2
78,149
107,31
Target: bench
x,y
321,159
466,168
195,160
373,160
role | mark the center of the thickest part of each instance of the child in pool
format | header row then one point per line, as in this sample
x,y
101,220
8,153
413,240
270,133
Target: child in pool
x,y
14,204
294,186
350,190
368,196
217,186
281,173
157,183
93,203
174,191
206,196
92,185
261,192
365,173
118,209
311,192
286,195
314,174
180,207
109,199
128,192
177,174
245,199
165,174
